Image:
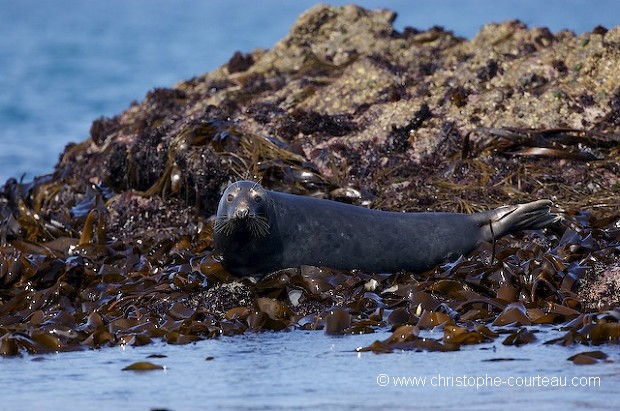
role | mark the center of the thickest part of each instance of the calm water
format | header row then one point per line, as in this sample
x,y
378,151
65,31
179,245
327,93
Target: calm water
x,y
306,371
64,63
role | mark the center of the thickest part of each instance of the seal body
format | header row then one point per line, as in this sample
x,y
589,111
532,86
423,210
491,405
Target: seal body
x,y
259,231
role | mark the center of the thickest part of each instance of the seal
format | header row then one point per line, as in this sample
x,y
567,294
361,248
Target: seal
x,y
258,231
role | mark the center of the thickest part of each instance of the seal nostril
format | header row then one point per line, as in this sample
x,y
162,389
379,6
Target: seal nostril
x,y
241,213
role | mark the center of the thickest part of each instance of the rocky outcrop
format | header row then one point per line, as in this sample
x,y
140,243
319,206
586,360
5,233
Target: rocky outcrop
x,y
344,107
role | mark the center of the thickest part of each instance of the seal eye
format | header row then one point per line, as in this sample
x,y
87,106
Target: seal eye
x,y
230,198
258,198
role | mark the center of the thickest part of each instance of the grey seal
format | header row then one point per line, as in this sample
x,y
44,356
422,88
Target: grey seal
x,y
258,231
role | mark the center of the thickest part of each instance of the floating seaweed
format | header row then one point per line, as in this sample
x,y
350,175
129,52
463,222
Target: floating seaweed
x,y
588,357
143,366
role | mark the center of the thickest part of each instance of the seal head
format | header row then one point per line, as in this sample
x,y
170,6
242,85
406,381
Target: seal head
x,y
242,207
245,229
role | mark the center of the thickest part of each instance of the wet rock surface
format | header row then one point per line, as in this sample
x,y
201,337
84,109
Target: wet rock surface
x,y
115,247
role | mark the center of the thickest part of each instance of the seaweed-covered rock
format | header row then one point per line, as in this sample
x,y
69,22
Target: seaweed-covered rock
x,y
116,246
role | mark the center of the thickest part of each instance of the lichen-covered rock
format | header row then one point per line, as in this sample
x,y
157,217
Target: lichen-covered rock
x,y
354,99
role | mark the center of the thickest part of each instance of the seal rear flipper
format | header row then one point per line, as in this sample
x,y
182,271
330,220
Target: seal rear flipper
x,y
529,216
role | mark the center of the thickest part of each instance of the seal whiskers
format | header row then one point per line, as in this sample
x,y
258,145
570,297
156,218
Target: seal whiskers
x,y
224,225
258,225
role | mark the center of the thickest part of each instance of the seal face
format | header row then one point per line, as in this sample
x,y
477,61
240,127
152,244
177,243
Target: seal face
x,y
242,208
259,231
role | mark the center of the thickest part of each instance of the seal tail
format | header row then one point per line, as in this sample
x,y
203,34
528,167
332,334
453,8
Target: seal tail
x,y
505,220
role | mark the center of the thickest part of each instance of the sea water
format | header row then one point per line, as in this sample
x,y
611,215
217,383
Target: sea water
x,y
309,370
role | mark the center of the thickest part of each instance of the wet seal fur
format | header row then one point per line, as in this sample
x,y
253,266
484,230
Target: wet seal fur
x,y
258,231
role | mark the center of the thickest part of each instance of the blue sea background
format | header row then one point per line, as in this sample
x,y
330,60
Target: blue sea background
x,y
65,63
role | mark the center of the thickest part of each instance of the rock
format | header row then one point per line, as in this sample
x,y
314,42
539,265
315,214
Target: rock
x,y
601,288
